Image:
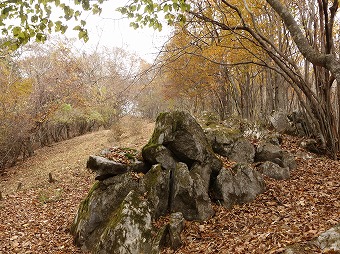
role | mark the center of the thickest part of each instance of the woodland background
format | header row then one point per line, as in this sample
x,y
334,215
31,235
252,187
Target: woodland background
x,y
232,58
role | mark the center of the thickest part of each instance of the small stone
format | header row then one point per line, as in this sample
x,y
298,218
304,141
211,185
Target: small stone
x,y
176,226
274,171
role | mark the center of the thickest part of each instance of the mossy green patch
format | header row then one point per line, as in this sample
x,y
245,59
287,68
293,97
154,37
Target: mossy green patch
x,y
83,210
131,217
152,177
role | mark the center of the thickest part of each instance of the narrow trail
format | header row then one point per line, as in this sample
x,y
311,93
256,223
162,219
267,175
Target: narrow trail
x,y
64,160
35,215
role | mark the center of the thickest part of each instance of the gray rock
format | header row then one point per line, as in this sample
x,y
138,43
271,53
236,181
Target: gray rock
x,y
189,194
156,184
238,185
96,209
275,139
288,160
269,152
170,234
228,142
242,151
329,240
222,139
180,133
161,240
274,171
279,120
139,167
176,226
129,229
105,168
179,138
159,154
204,172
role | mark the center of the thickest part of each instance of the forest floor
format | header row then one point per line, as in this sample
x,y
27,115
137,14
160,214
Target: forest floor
x,y
35,214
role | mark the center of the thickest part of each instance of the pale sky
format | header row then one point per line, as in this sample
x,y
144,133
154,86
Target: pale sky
x,y
110,29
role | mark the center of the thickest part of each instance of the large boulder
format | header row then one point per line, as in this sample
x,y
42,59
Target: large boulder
x,y
95,210
179,132
242,151
129,229
156,187
238,185
105,168
159,154
179,144
190,194
228,142
270,152
280,122
117,215
222,138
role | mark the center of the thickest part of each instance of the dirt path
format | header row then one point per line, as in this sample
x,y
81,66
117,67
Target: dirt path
x,y
35,215
63,160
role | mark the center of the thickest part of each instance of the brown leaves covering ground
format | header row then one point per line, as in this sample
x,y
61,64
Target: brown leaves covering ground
x,y
291,211
36,218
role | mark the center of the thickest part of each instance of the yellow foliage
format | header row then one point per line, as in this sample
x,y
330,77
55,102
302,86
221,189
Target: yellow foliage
x,y
197,54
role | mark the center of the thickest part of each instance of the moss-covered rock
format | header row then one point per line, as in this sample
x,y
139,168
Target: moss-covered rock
x,y
129,229
94,212
79,227
156,185
222,139
179,140
179,132
190,194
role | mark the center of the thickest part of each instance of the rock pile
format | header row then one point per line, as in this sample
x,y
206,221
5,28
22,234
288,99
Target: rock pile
x,y
179,175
